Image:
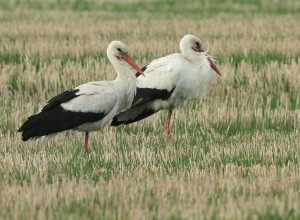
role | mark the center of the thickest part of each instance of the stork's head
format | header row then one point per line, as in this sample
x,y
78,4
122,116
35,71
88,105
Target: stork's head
x,y
118,51
190,44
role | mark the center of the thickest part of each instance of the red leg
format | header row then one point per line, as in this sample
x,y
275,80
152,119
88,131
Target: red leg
x,y
86,143
167,127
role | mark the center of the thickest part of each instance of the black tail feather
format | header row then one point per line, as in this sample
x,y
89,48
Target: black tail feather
x,y
146,113
55,120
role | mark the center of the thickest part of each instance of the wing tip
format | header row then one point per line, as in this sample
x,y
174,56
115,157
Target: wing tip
x,y
115,122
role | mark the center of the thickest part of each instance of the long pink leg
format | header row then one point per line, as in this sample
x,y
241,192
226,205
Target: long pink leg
x,y
86,143
167,127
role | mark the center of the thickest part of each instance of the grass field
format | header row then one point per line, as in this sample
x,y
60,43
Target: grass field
x,y
234,154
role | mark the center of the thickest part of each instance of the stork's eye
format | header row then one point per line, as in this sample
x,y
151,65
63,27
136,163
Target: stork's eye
x,y
119,50
198,44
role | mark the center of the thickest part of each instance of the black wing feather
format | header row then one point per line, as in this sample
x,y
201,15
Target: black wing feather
x,y
146,113
61,98
146,95
54,118
142,97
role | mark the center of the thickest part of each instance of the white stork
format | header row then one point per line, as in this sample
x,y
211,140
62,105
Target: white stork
x,y
169,81
90,106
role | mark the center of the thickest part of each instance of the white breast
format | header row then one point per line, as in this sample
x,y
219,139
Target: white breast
x,y
195,79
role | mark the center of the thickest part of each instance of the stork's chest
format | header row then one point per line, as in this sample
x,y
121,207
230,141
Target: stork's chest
x,y
194,82
126,95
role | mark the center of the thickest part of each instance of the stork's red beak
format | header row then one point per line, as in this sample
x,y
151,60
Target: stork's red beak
x,y
130,61
212,65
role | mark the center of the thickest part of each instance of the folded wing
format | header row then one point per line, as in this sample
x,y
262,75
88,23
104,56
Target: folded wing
x,y
70,109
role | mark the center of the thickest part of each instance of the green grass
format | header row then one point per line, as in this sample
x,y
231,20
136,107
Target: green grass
x,y
39,61
162,8
257,59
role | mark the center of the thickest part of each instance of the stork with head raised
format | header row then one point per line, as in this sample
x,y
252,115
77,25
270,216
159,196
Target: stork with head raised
x,y
88,107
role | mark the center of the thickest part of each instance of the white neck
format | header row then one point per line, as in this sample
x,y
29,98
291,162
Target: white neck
x,y
193,56
126,82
